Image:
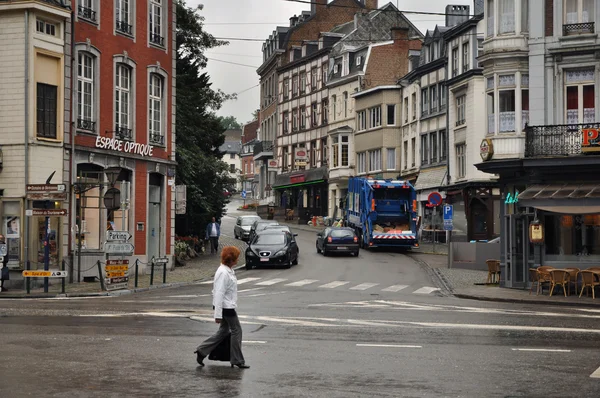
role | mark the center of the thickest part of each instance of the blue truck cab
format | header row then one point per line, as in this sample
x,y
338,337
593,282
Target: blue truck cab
x,y
382,212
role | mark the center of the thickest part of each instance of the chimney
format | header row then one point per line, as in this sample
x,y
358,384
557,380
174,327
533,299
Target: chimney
x,y
456,14
316,6
370,4
293,21
399,33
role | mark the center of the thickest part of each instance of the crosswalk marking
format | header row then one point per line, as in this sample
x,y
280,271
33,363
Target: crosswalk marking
x,y
208,282
334,284
364,286
426,290
394,288
246,280
302,282
271,282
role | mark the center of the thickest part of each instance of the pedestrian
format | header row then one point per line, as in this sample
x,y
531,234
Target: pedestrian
x,y
225,304
213,232
4,274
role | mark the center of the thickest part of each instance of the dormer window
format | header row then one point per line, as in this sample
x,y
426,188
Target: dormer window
x,y
335,68
358,60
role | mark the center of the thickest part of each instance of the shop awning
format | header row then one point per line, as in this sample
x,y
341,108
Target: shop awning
x,y
299,178
431,178
562,198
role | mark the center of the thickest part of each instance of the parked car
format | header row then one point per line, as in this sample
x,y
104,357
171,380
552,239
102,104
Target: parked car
x,y
272,249
243,225
259,225
337,240
282,228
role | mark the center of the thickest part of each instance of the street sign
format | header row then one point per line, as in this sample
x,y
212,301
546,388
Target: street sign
x,y
46,188
45,274
161,261
448,226
244,194
118,248
117,286
54,196
117,274
113,236
448,212
435,199
46,212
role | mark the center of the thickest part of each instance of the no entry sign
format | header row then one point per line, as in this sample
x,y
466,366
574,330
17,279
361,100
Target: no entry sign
x,y
435,199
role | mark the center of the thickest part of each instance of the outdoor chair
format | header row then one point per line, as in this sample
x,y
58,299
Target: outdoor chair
x,y
493,271
544,277
559,277
589,279
534,278
573,278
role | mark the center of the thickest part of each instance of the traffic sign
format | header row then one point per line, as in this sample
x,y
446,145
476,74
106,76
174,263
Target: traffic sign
x,y
45,274
46,188
244,194
55,196
46,212
117,286
118,248
448,212
435,199
113,236
448,226
161,261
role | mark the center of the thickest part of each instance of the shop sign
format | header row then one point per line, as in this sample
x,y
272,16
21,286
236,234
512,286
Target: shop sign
x,y
272,164
46,188
300,163
486,149
124,146
512,199
590,141
300,154
297,179
536,233
46,212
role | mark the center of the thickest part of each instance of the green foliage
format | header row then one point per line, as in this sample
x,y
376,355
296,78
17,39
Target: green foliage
x,y
199,131
229,122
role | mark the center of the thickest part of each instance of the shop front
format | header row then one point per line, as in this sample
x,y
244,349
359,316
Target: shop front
x,y
302,194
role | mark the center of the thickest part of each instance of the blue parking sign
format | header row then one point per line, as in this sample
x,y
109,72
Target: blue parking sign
x,y
244,194
448,212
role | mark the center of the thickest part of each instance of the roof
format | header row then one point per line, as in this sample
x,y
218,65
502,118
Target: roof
x,y
231,147
431,178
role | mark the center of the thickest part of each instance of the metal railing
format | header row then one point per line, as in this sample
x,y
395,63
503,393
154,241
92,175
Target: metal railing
x,y
85,124
578,28
156,138
263,146
124,27
87,13
555,140
157,39
123,133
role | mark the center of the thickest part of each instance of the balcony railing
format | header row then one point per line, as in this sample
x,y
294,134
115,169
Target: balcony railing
x,y
557,140
85,124
157,139
87,13
123,133
263,146
124,27
460,122
157,39
578,28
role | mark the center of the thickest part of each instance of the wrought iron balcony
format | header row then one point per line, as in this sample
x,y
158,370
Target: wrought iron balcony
x,y
85,124
124,27
157,39
157,139
123,133
87,13
460,122
578,28
263,149
557,140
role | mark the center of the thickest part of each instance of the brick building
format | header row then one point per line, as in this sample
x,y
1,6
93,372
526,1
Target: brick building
x,y
249,136
123,119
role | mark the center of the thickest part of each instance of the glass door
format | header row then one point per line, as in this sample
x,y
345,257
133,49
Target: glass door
x,y
519,251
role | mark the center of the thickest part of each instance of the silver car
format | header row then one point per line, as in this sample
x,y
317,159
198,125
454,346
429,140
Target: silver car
x,y
243,225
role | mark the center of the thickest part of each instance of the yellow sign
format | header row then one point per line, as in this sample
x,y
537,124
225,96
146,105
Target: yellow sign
x,y
110,268
45,274
115,274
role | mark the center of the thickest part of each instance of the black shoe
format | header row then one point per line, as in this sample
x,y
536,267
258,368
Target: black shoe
x,y
199,358
241,365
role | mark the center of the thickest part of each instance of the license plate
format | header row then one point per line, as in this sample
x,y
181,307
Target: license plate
x,y
264,259
342,248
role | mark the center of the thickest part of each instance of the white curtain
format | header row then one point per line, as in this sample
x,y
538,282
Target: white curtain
x,y
571,11
507,16
587,12
524,15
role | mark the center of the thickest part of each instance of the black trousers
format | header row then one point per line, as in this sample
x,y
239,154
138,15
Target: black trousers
x,y
214,244
230,322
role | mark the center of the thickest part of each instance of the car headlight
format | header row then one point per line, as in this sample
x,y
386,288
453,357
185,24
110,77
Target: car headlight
x,y
281,253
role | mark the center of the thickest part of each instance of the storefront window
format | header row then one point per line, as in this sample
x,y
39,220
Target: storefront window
x,y
88,209
12,231
572,237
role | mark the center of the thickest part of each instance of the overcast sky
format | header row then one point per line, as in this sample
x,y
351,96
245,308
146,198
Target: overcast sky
x,y
256,19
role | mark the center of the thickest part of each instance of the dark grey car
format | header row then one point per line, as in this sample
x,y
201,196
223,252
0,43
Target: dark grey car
x,y
243,225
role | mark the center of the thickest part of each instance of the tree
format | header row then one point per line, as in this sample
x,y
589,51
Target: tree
x,y
199,131
255,115
229,123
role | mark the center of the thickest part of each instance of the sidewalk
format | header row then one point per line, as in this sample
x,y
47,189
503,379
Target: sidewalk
x,y
197,269
469,284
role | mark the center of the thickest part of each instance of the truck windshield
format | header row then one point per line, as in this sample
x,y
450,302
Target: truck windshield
x,y
389,194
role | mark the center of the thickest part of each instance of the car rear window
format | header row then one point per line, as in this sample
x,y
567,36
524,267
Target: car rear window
x,y
249,220
270,239
260,227
342,233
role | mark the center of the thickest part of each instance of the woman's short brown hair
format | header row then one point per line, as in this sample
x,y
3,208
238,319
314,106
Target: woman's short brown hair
x,y
229,255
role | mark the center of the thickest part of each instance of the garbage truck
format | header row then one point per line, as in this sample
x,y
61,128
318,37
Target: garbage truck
x,y
383,212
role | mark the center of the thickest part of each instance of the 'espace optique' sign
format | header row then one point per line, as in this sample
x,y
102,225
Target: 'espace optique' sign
x,y
124,146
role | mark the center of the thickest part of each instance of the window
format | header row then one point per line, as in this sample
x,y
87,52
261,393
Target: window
x,y
375,117
345,150
479,52
335,151
295,119
414,105
524,107
232,156
232,168
424,150
345,104
413,150
324,152
490,17
362,120
314,114
123,17
358,60
313,79
286,88
335,68
302,82
443,151
155,109
284,158
334,102
294,85
506,11
313,153
433,98
46,110
465,54
325,109
405,153
507,110
391,159
442,97
433,156
579,12
406,110
524,15
286,122
460,110
391,115
45,27
324,75
461,161
580,96
86,10
123,99
302,117
85,92
361,162
454,62
156,29
375,160
424,102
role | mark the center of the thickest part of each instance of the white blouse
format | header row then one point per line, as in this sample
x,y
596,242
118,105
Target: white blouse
x,y
224,290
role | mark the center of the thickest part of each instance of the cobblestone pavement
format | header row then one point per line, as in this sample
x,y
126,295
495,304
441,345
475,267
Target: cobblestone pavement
x,y
199,268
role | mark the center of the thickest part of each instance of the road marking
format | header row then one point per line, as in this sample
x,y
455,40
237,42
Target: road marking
x,y
333,285
394,288
187,296
250,290
264,294
245,280
253,342
364,286
303,282
291,321
210,319
540,349
596,374
390,345
425,290
206,282
271,282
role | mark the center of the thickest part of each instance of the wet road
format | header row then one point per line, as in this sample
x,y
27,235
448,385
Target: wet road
x,y
329,327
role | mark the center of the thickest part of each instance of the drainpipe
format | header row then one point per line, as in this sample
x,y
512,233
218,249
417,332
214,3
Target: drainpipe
x,y
73,200
26,231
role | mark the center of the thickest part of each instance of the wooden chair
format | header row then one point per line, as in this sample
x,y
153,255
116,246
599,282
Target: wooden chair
x,y
544,277
493,271
588,279
559,277
534,277
573,277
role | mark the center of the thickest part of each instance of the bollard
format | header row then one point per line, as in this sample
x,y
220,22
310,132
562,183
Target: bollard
x,y
152,272
136,273
100,276
165,273
62,288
